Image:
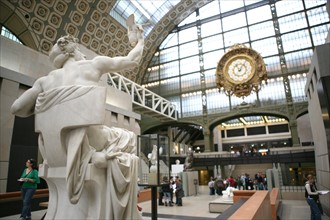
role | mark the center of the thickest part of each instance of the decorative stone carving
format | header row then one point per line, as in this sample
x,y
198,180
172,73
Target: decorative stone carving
x,y
188,163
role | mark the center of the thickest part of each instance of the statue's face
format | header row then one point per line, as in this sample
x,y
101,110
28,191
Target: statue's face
x,y
67,44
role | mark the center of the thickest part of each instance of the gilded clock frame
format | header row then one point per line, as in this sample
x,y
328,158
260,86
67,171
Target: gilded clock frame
x,y
244,87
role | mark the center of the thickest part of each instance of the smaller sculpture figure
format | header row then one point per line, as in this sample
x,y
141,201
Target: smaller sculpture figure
x,y
153,158
177,162
188,163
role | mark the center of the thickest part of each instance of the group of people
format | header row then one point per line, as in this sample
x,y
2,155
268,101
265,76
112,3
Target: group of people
x,y
168,189
243,182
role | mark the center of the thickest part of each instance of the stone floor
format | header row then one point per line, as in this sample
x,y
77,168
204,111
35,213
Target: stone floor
x,y
197,208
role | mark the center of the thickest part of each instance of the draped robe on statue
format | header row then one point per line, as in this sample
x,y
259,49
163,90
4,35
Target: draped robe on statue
x,y
69,143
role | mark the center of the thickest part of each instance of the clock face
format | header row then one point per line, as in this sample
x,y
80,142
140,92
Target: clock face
x,y
239,69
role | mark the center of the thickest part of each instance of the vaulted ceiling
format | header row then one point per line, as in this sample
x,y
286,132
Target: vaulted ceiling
x,y
38,24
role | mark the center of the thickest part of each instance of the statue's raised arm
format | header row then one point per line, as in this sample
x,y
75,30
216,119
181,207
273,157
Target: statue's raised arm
x,y
136,38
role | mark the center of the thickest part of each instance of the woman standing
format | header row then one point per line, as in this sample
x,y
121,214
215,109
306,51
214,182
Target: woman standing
x,y
29,179
312,196
179,193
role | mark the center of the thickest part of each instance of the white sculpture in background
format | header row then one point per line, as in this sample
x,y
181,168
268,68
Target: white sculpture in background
x,y
69,109
153,158
228,193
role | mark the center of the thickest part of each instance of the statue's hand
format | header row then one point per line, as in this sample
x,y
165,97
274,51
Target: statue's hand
x,y
134,31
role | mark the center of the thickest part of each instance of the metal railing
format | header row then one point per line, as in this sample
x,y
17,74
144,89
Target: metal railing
x,y
144,101
280,155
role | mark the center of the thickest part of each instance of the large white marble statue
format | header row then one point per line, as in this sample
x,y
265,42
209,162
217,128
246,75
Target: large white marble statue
x,y
90,169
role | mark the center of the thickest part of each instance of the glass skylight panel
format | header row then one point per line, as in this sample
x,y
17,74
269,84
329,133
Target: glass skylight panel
x,y
188,49
169,54
298,61
171,40
230,5
211,59
262,30
317,16
267,94
252,118
169,70
313,3
237,36
250,2
288,7
272,65
292,22
272,117
233,121
319,34
296,40
145,11
187,35
190,19
209,10
169,86
190,81
153,75
211,28
192,105
234,21
213,103
210,78
259,14
212,43
297,85
265,47
190,64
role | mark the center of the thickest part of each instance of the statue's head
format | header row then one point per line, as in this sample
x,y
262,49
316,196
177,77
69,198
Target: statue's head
x,y
65,45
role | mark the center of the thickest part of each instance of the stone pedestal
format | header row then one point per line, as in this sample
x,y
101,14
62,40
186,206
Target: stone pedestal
x,y
91,204
190,183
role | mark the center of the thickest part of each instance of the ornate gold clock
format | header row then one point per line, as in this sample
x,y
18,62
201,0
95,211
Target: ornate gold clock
x,y
240,71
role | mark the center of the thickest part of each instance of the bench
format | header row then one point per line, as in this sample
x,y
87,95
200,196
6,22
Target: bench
x,y
11,202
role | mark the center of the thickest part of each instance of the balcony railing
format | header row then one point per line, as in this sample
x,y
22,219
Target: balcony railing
x,y
275,155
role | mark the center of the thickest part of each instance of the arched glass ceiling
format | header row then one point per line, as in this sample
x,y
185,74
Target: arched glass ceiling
x,y
283,32
146,11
